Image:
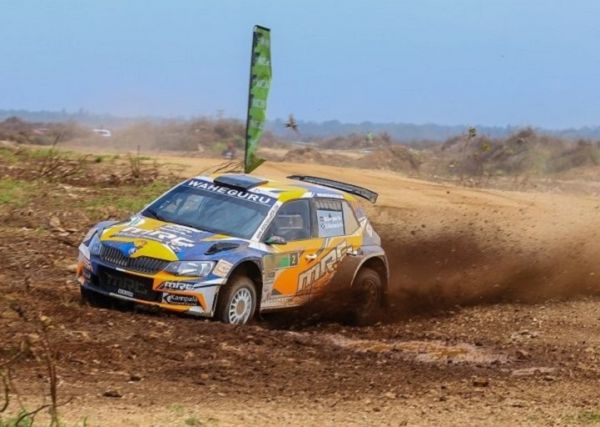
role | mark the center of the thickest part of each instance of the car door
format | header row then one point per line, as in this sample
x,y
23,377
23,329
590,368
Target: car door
x,y
338,230
296,251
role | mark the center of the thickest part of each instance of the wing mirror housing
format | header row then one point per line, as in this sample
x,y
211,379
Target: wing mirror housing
x,y
275,240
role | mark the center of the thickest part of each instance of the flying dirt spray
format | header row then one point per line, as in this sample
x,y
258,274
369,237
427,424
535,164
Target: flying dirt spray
x,y
258,92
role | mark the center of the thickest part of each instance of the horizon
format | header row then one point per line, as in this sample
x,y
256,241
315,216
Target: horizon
x,y
502,64
4,114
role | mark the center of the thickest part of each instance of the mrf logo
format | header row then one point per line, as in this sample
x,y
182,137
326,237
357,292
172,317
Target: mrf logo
x,y
164,235
327,265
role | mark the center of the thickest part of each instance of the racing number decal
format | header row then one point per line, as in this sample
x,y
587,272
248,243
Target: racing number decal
x,y
281,271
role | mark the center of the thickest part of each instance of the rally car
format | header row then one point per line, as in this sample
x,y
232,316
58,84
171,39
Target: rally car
x,y
235,245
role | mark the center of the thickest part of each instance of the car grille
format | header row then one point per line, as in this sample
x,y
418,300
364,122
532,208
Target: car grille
x,y
142,264
126,284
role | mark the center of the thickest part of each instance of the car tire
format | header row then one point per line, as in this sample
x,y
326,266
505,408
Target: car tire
x,y
237,301
368,293
94,299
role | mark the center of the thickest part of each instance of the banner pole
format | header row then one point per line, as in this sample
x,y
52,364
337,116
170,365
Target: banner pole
x,y
247,138
258,93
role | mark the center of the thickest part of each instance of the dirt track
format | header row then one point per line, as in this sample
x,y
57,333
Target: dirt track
x,y
494,322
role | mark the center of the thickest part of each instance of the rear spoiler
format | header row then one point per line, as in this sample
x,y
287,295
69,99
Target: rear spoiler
x,y
371,196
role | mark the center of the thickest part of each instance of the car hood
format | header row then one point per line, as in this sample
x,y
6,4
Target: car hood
x,y
141,236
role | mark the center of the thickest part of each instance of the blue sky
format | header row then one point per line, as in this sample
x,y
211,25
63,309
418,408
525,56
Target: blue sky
x,y
448,62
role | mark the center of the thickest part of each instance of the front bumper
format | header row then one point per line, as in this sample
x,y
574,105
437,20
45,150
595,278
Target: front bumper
x,y
163,290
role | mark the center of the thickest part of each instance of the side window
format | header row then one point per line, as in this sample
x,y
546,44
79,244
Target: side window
x,y
350,220
330,217
292,221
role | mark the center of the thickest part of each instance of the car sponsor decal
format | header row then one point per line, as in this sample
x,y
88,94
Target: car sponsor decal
x,y
369,229
222,268
287,260
331,222
232,192
267,221
167,235
125,292
179,286
284,301
332,195
327,265
180,299
275,262
136,247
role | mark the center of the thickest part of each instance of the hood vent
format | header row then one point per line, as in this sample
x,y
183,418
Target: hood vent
x,y
220,247
240,182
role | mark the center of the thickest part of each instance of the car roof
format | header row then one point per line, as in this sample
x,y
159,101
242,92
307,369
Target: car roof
x,y
282,190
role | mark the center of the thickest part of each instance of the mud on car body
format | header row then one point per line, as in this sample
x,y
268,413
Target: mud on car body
x,y
233,245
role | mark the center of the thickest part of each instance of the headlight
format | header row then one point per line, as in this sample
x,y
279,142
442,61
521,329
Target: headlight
x,y
95,246
190,268
90,233
84,252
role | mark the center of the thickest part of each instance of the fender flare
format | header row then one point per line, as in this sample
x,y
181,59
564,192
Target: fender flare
x,y
351,265
255,273
369,259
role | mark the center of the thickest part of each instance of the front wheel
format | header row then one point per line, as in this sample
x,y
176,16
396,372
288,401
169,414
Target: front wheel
x,y
237,301
368,291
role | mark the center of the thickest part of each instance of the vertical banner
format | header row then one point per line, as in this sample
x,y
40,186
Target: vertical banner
x,y
260,83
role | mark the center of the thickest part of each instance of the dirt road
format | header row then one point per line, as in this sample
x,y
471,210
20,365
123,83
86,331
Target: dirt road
x,y
494,321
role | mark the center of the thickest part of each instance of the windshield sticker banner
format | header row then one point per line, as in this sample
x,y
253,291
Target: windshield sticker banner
x,y
232,192
260,83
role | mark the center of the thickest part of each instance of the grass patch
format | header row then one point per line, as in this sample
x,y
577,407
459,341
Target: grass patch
x,y
12,421
127,198
42,153
8,155
193,422
177,409
589,417
15,192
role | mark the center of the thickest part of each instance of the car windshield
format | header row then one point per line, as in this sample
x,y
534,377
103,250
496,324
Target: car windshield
x,y
215,209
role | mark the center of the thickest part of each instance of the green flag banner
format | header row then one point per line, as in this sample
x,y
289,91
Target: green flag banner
x,y
260,83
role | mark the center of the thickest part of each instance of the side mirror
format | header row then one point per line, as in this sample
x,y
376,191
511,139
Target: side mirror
x,y
275,240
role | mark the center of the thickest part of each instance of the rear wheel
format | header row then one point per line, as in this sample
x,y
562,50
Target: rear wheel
x,y
368,290
237,301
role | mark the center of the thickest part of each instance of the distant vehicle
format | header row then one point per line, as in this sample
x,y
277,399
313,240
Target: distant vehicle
x,y
40,131
233,245
102,132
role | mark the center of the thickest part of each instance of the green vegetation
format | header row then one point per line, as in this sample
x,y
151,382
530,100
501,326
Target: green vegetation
x,y
128,198
193,422
15,192
26,421
8,155
589,417
42,153
178,409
